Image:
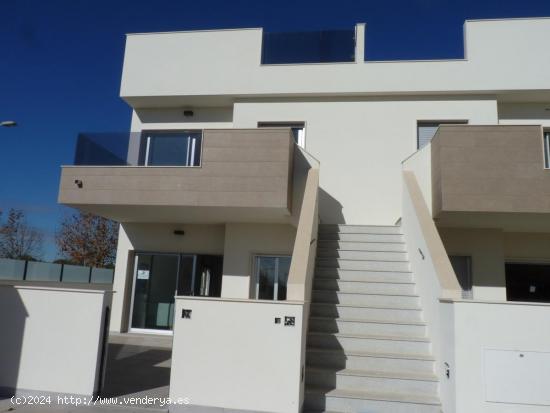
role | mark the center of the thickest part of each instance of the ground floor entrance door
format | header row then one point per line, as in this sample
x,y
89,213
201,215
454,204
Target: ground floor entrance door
x,y
159,277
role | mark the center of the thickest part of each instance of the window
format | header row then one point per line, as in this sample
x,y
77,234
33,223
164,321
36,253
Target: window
x,y
171,148
528,282
425,130
271,277
298,130
546,146
462,266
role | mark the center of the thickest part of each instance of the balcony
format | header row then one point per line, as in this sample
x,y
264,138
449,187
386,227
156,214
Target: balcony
x,y
229,175
485,176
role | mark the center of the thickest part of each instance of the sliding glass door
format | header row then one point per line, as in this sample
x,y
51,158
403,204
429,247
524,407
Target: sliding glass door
x,y
160,277
155,281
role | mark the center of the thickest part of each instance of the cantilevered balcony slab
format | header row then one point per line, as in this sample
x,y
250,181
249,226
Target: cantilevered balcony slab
x,y
491,176
244,176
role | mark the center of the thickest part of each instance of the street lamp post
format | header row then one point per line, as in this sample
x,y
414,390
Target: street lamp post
x,y
8,123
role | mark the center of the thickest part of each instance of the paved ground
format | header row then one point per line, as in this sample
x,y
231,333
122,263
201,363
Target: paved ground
x,y
137,366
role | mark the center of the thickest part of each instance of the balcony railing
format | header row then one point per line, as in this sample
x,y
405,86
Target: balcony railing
x,y
224,170
11,269
326,46
179,148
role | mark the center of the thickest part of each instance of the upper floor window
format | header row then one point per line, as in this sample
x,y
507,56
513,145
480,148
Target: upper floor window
x,y
426,130
546,146
298,130
180,148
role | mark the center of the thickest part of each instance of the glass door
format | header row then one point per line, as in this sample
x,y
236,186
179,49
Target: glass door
x,y
160,277
157,279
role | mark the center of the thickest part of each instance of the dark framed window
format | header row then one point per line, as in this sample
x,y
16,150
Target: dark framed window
x,y
178,148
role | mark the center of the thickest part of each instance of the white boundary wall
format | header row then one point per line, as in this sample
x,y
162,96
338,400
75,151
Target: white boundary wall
x,y
52,338
230,354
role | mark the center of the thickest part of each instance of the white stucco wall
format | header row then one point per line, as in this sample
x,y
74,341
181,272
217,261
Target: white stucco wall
x,y
51,338
420,163
480,333
499,55
242,242
232,355
361,144
238,243
433,276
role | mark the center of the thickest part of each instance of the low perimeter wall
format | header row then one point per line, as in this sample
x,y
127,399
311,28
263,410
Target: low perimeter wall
x,y
51,338
498,355
234,355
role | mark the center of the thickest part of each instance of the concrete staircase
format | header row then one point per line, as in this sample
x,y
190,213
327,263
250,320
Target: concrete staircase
x,y
367,348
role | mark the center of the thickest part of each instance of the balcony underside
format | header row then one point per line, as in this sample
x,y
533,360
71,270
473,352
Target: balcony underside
x,y
506,221
187,214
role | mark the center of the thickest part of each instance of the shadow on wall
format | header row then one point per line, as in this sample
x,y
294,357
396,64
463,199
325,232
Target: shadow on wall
x,y
330,210
13,315
190,116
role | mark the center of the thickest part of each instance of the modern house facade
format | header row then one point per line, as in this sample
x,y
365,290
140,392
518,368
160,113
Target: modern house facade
x,y
339,234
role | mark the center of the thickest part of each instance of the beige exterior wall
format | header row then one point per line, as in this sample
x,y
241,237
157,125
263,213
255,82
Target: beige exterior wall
x,y
242,242
533,247
489,169
486,249
239,169
490,249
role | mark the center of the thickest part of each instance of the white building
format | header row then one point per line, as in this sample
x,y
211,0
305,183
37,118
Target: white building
x,y
342,235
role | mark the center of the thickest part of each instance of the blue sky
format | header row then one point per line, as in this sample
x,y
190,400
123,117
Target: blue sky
x,y
61,61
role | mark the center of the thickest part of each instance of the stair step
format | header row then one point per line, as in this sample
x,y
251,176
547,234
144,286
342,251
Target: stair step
x,y
360,237
364,287
394,313
363,342
341,400
359,229
369,265
362,255
361,246
359,298
355,326
364,275
378,381
390,362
